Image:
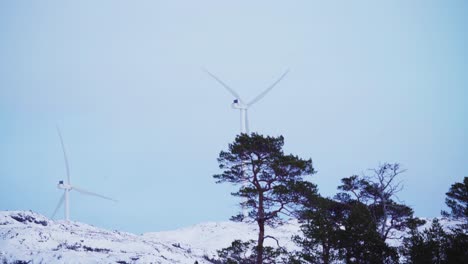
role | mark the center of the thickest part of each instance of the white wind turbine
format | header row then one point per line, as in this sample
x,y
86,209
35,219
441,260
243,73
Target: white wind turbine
x,y
240,104
67,187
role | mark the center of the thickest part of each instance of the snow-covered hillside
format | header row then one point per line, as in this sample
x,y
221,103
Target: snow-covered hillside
x,y
27,237
206,238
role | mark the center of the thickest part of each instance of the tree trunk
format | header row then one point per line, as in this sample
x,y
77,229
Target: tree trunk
x,y
325,253
261,229
384,211
383,231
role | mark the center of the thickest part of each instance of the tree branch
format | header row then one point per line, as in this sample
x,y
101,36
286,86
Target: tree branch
x,y
277,242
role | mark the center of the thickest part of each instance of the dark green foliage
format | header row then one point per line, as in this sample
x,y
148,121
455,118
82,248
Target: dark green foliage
x,y
238,252
258,164
320,221
457,200
335,232
396,216
377,191
436,241
457,246
241,252
435,245
414,248
268,179
339,231
359,241
351,228
428,246
355,185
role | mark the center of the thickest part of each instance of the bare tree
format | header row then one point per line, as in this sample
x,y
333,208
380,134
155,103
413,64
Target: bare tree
x,y
378,190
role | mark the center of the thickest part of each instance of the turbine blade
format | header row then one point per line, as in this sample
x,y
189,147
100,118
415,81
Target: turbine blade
x,y
260,96
234,93
64,155
83,191
58,205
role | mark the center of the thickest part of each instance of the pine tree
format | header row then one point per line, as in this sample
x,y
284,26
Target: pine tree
x,y
457,246
320,220
429,246
359,240
435,245
267,177
237,253
377,191
339,231
457,200
436,241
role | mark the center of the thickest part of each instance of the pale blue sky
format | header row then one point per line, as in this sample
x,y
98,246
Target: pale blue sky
x,y
370,81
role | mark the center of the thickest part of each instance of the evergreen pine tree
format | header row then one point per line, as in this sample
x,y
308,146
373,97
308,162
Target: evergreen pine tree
x,y
267,177
320,220
457,200
339,231
429,246
359,240
377,191
457,247
436,241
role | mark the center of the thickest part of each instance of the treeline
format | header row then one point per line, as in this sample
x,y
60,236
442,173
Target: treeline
x,y
354,226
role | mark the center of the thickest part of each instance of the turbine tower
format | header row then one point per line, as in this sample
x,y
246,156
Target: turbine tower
x,y
67,187
240,104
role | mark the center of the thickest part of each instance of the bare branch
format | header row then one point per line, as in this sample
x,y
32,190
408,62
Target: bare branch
x,y
277,242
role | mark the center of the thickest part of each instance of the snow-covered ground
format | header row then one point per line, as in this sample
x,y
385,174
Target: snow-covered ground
x,y
207,238
28,237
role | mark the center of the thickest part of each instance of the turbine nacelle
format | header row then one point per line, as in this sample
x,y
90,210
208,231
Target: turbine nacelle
x,y
237,104
64,186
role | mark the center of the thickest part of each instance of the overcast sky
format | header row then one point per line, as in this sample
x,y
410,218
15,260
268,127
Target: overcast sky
x,y
370,82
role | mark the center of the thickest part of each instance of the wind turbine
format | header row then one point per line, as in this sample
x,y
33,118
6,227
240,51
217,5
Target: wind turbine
x,y
240,104
67,187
